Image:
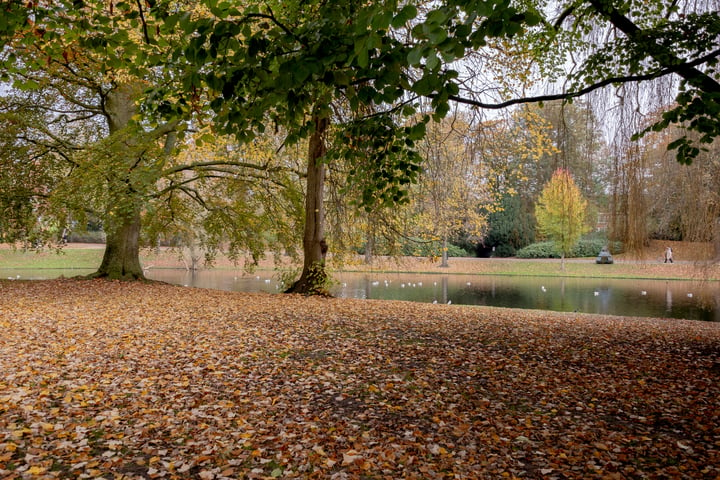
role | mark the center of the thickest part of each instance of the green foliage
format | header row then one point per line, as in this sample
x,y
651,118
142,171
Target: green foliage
x,y
504,250
587,247
512,226
539,250
261,67
382,161
420,248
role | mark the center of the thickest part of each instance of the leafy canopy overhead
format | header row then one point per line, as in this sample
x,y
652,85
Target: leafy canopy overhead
x,y
267,64
271,64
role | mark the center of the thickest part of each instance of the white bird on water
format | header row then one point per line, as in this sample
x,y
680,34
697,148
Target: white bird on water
x,y
543,288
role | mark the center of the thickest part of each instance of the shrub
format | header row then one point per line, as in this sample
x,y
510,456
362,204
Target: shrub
x,y
504,250
588,247
414,248
86,237
539,250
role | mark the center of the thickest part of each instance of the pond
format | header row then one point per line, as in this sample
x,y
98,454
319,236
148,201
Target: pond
x,y
693,300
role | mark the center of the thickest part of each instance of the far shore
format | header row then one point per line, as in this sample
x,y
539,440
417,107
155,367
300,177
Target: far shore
x,y
692,261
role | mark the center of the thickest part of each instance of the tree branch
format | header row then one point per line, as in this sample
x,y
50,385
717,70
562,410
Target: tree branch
x,y
661,54
588,89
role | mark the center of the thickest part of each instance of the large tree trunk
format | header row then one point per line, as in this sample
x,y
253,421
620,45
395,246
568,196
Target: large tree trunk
x,y
313,279
121,260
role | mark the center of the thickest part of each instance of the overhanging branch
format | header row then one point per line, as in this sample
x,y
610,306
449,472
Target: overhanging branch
x,y
589,88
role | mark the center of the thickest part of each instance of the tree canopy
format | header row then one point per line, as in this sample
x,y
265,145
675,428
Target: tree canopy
x,y
560,212
370,74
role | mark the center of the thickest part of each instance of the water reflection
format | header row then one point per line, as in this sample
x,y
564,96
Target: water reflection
x,y
646,298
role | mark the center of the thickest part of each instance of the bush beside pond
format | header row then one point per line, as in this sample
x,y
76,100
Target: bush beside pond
x,y
584,248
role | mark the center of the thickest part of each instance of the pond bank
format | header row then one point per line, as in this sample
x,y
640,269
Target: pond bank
x,y
692,264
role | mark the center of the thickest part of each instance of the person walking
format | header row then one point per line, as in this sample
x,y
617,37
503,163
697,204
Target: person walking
x,y
668,255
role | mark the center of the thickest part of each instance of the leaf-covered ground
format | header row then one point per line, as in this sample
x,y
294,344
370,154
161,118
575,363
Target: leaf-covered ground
x,y
124,381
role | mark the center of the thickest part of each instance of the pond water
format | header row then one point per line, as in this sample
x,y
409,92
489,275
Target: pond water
x,y
693,300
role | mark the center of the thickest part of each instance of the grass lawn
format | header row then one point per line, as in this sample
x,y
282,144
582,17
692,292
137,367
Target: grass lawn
x,y
65,258
89,256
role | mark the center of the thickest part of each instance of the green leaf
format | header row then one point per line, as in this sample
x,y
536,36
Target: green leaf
x,y
362,54
437,35
415,56
432,62
381,21
407,13
438,16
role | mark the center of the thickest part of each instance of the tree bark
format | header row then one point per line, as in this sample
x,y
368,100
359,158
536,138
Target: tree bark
x,y
121,260
444,263
313,279
369,248
716,240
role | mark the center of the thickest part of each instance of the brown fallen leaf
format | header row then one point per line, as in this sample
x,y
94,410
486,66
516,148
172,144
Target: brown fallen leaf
x,y
129,381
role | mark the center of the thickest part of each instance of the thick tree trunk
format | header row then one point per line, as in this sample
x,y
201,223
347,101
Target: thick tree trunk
x,y
313,279
121,260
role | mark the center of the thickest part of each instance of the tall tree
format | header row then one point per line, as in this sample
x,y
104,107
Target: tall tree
x,y
453,194
287,63
515,150
86,97
78,114
560,212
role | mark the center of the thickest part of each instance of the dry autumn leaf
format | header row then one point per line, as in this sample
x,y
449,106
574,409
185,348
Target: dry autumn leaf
x,y
135,381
